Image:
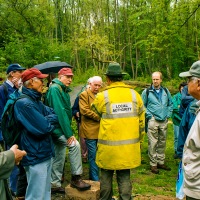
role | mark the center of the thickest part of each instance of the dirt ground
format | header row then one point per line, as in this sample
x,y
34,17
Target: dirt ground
x,y
73,95
85,177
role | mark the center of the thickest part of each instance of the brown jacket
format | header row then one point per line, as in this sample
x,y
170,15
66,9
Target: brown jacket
x,y
90,121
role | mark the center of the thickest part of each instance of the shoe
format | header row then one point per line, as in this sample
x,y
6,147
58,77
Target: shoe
x,y
19,198
154,170
164,167
79,184
57,190
63,178
84,160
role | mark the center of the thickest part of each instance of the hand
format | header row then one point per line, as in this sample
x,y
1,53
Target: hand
x,y
16,82
71,141
19,154
77,114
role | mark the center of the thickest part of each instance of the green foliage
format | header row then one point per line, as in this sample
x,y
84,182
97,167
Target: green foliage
x,y
148,184
81,76
126,77
143,36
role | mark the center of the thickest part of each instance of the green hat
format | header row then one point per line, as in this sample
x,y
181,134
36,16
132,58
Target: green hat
x,y
114,69
194,70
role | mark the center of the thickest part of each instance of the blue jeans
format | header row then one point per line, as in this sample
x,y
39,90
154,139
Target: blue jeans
x,y
123,181
13,179
176,133
93,168
39,181
58,161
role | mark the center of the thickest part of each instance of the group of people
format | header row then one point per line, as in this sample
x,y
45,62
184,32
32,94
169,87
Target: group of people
x,y
45,134
106,117
184,110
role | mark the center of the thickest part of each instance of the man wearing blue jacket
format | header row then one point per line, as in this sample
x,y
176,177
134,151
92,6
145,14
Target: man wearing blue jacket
x,y
38,122
11,84
13,72
159,106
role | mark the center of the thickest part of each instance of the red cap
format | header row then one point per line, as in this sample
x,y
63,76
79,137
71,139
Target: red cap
x,y
66,71
31,73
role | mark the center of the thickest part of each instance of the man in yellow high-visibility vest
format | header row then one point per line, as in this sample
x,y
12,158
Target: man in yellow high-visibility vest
x,y
121,131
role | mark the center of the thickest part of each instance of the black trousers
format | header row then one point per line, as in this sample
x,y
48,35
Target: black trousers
x,y
21,182
190,198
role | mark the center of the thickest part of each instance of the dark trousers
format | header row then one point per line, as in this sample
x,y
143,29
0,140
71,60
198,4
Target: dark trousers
x,y
21,182
123,181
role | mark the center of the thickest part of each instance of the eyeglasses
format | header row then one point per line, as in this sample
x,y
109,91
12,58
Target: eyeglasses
x,y
35,78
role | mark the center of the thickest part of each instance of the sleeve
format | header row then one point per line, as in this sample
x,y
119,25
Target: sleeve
x,y
85,108
98,105
75,107
7,162
55,101
34,121
51,116
144,99
175,113
2,100
184,129
170,104
141,118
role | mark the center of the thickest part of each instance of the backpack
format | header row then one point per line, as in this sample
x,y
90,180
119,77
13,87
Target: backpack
x,y
10,127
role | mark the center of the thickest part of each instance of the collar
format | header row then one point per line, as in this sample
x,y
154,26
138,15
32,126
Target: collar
x,y
155,88
9,83
198,103
91,93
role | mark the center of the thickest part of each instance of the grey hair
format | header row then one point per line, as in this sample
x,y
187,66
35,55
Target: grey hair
x,y
95,78
194,79
26,83
89,80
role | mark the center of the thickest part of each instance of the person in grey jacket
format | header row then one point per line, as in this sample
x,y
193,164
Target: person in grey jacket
x,y
191,151
159,108
8,159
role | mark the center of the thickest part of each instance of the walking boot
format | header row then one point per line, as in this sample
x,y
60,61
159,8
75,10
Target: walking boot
x,y
164,167
55,190
154,169
78,183
20,198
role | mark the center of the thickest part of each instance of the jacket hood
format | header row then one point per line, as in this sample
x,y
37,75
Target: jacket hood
x,y
64,87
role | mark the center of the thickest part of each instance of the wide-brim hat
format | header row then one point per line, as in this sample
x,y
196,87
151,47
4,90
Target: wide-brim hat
x,y
114,69
194,70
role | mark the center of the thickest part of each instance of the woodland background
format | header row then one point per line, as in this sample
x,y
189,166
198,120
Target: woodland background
x,y
142,35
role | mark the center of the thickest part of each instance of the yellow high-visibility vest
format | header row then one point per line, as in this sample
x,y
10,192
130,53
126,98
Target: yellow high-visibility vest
x,y
121,127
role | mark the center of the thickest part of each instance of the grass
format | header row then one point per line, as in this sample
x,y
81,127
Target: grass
x,y
146,183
